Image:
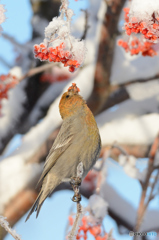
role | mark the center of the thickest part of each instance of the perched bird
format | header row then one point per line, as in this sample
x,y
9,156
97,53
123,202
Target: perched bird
x,y
78,141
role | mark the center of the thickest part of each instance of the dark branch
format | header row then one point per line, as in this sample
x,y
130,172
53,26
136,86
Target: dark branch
x,y
140,80
109,31
86,26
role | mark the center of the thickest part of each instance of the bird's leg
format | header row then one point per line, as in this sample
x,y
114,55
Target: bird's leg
x,y
75,183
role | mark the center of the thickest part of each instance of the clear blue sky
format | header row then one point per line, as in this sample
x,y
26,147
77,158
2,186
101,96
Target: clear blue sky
x,y
52,220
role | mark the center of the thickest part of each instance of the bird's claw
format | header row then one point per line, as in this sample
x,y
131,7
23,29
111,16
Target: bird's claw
x,y
76,198
75,181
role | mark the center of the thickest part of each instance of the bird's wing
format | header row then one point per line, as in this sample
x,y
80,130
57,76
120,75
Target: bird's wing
x,y
62,142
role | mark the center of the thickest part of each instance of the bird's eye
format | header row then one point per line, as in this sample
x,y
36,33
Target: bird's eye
x,y
67,96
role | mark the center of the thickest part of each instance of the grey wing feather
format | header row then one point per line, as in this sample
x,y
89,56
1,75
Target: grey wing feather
x,y
62,142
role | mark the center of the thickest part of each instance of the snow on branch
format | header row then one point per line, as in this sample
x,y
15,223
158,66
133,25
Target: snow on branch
x,y
59,45
2,16
5,225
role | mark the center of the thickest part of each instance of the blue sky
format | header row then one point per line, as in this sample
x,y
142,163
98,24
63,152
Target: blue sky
x,y
17,25
52,220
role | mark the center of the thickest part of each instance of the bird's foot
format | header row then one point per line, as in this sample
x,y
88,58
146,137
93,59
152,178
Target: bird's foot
x,y
76,198
75,181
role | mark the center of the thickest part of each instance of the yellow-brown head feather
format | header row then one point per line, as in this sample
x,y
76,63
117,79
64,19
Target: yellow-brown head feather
x,y
71,102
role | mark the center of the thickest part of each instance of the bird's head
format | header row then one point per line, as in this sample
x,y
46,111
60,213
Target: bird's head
x,y
71,102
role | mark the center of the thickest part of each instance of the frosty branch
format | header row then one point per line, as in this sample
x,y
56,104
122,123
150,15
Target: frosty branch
x,y
5,225
76,198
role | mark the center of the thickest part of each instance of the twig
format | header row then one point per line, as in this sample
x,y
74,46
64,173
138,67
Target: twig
x,y
154,148
86,26
151,196
122,150
5,225
14,41
36,70
110,234
76,198
140,80
4,62
142,205
76,223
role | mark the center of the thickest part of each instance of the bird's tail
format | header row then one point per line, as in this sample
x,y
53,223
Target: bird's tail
x,y
36,206
49,184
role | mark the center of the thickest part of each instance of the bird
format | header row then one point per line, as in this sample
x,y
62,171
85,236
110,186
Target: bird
x,y
77,141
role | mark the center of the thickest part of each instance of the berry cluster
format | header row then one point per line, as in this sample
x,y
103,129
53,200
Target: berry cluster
x,y
57,54
135,47
73,88
86,226
150,33
6,83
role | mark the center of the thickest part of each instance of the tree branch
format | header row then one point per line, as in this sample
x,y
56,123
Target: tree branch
x,y
86,26
142,205
140,80
101,90
5,225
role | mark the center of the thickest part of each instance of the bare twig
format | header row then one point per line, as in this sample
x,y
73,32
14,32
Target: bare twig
x,y
36,70
151,196
142,205
120,94
121,149
86,26
14,41
4,62
5,225
140,80
154,149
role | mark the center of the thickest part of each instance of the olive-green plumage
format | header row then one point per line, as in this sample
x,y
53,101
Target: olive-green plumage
x,y
78,141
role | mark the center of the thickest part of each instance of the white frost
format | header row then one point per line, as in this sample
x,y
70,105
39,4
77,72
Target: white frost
x,y
140,91
14,172
143,9
137,130
5,225
2,15
98,206
129,165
